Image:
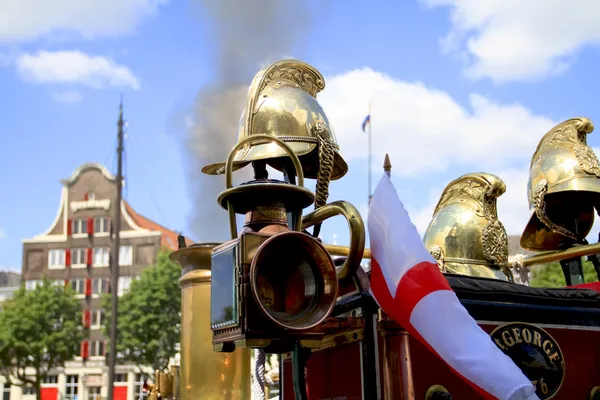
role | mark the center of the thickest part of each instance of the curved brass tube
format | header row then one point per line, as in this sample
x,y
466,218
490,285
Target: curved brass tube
x,y
357,233
229,172
338,250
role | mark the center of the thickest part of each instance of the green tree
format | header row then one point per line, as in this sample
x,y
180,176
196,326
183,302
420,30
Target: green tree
x,y
551,275
149,316
40,329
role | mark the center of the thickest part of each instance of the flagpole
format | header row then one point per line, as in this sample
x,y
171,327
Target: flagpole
x,y
370,193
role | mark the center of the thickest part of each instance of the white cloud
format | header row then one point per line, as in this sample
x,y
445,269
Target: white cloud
x,y
428,134
69,96
25,20
425,130
74,67
514,39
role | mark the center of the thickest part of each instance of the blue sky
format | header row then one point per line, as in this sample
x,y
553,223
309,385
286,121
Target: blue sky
x,y
456,86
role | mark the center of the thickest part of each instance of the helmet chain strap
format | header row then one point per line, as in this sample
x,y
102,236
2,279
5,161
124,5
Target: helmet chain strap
x,y
326,158
540,212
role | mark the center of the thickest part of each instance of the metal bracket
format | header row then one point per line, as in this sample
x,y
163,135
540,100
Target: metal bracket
x,y
300,356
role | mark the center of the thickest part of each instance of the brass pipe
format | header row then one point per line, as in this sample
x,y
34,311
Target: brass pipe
x,y
541,258
357,232
337,250
557,255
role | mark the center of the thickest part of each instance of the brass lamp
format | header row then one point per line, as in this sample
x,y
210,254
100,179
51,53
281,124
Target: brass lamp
x,y
272,285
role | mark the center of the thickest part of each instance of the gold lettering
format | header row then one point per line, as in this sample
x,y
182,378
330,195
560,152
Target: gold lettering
x,y
537,339
508,341
517,335
499,344
547,346
526,335
553,356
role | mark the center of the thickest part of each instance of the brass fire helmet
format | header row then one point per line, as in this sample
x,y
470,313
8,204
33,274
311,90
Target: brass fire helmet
x,y
465,235
282,103
563,188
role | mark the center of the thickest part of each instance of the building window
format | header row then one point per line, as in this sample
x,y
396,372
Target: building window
x,y
124,284
126,255
32,284
56,258
101,256
100,285
121,378
94,393
78,286
28,390
101,225
91,196
6,392
97,348
138,389
77,257
50,379
97,317
79,226
71,387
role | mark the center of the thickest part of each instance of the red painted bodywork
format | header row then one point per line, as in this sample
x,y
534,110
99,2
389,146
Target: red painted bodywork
x,y
331,374
336,373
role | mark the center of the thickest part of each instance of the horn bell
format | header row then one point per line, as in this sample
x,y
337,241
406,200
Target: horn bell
x,y
282,103
465,235
563,188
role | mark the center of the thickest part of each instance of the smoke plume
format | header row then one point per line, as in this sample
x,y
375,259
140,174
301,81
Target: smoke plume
x,y
248,34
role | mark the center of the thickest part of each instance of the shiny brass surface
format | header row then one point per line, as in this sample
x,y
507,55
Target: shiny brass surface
x,y
244,198
338,250
305,260
557,255
434,391
205,374
563,188
196,256
282,103
165,384
357,232
465,235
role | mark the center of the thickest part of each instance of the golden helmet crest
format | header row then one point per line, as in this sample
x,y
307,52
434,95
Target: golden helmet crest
x,y
465,235
563,187
282,103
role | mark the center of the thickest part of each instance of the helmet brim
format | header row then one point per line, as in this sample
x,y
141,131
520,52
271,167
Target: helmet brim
x,y
537,236
275,156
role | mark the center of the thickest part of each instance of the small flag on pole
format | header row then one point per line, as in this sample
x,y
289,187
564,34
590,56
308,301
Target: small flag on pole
x,y
366,122
408,285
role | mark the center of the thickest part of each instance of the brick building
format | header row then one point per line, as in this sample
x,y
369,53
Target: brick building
x,y
75,250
